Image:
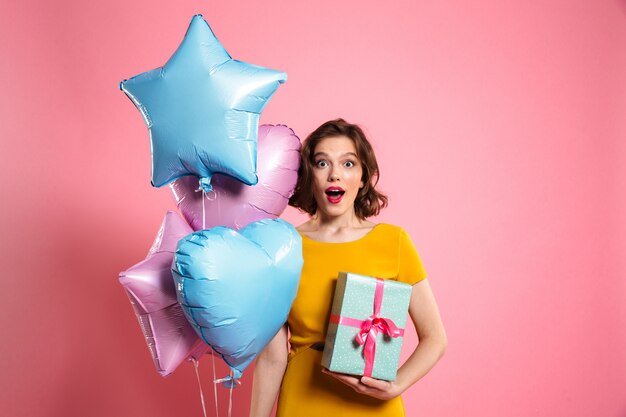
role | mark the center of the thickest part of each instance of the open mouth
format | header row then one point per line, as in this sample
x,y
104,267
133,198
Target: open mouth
x,y
334,194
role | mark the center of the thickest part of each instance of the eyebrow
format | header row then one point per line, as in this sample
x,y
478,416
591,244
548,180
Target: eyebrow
x,y
341,156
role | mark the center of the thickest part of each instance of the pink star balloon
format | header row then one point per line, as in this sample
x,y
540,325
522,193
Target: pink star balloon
x,y
150,289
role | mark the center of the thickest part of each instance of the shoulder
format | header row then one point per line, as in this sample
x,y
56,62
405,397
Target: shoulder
x,y
391,232
395,236
305,227
390,229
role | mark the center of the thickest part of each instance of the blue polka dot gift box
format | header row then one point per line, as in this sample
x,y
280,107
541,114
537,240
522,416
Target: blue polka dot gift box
x,y
366,327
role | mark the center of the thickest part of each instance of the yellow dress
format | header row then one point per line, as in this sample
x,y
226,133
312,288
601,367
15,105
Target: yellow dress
x,y
385,252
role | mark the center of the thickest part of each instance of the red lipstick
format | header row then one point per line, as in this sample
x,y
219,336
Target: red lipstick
x,y
334,194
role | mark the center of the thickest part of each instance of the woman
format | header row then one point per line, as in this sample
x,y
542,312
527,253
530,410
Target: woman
x,y
337,187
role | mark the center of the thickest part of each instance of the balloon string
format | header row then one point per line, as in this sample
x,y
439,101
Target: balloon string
x,y
195,365
217,414
230,397
204,218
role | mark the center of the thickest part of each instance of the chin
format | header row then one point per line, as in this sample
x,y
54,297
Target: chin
x,y
335,210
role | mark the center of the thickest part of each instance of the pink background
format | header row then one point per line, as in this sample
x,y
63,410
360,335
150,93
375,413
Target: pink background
x,y
500,129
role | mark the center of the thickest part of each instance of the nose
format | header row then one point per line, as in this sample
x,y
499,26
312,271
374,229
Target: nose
x,y
333,175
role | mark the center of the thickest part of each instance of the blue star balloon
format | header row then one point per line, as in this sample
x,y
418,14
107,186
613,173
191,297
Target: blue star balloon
x,y
202,110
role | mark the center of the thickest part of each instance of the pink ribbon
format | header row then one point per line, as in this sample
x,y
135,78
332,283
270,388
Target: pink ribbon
x,y
370,328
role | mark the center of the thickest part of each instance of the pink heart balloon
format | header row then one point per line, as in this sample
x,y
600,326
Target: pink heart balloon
x,y
150,289
234,204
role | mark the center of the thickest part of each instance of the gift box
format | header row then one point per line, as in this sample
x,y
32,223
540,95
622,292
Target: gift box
x,y
366,327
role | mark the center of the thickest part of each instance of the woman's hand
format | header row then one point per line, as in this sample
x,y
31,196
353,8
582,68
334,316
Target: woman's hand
x,y
377,388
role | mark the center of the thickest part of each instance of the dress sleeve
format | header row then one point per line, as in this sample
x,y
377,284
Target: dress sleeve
x,y
411,271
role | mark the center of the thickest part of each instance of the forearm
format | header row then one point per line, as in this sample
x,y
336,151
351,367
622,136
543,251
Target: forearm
x,y
428,352
431,333
268,375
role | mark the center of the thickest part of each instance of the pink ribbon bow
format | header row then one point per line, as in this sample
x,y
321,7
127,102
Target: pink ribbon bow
x,y
370,328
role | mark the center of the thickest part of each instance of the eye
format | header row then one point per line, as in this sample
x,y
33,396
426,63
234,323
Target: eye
x,y
349,164
321,163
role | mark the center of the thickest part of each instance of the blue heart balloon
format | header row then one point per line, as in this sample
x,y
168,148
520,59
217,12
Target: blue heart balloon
x,y
202,109
236,288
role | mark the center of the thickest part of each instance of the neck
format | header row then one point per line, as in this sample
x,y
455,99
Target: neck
x,y
348,220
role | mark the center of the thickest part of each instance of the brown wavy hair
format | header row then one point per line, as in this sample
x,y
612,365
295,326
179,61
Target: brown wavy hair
x,y
369,201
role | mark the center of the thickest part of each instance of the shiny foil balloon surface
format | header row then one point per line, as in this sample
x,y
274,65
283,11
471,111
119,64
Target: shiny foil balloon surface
x,y
151,292
237,288
233,204
202,109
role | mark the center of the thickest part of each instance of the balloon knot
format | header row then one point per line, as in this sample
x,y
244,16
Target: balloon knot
x,y
205,184
228,382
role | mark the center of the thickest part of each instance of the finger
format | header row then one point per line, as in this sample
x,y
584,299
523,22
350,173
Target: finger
x,y
376,383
